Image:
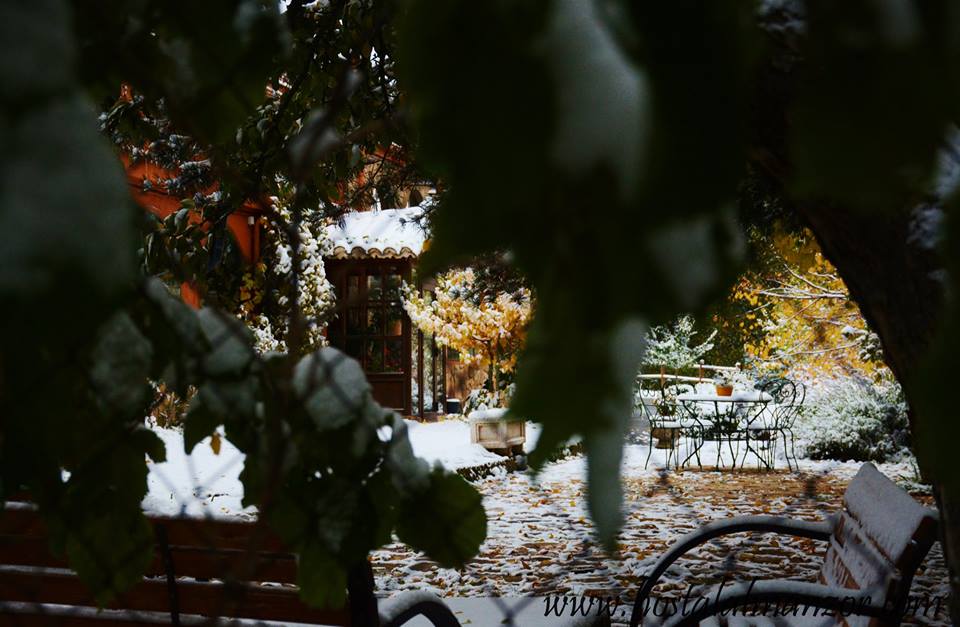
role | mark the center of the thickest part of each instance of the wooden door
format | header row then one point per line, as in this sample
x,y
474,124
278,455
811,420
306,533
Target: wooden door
x,y
371,325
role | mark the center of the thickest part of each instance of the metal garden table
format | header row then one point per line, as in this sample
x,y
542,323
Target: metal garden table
x,y
727,419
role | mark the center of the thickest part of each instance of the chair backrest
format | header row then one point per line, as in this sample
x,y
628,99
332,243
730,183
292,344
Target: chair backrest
x,y
783,391
881,537
224,563
663,389
788,397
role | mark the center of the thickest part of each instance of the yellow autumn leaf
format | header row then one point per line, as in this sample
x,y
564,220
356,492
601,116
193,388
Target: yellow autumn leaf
x,y
215,442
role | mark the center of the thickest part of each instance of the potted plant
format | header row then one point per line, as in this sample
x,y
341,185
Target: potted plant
x,y
666,403
666,407
723,383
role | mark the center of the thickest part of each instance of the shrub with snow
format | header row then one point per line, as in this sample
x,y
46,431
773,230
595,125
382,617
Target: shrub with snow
x,y
482,398
268,291
673,345
855,419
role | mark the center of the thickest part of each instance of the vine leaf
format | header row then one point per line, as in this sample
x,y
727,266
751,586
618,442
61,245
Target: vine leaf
x,y
323,583
333,387
456,525
120,366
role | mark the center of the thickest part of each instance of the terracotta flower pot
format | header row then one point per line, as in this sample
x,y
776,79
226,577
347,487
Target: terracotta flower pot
x,y
724,390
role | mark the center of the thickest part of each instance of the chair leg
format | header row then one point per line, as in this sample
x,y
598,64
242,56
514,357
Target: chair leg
x,y
649,449
793,450
701,438
786,450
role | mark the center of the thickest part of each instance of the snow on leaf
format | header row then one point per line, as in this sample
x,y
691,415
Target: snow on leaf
x,y
603,101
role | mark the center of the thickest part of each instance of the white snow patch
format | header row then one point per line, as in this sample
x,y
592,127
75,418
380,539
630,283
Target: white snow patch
x,y
604,107
204,484
200,484
393,232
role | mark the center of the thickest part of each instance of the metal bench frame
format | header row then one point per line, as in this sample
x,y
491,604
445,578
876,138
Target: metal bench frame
x,y
851,534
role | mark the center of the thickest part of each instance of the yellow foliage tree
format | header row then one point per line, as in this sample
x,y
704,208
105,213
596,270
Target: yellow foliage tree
x,y
484,330
808,321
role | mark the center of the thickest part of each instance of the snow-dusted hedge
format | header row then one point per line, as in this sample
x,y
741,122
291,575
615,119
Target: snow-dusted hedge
x,y
855,419
482,398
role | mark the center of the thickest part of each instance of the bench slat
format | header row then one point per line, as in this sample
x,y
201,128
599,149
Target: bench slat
x,y
880,539
83,617
853,560
207,599
224,534
196,562
890,517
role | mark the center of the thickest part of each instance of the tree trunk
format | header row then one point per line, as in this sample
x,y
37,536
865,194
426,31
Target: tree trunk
x,y
491,355
887,260
891,269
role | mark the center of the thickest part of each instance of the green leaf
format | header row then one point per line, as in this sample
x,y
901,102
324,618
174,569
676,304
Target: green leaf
x,y
409,472
231,342
209,60
35,34
699,59
333,387
290,519
63,193
696,257
606,120
174,330
456,525
598,401
323,583
120,365
109,557
872,106
496,78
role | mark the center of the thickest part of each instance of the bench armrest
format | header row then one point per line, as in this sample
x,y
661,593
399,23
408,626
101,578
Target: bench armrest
x,y
398,610
783,599
760,524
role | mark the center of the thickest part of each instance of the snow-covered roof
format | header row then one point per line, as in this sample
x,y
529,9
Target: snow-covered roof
x,y
386,233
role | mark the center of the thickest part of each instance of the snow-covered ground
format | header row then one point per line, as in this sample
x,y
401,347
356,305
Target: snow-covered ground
x,y
448,443
204,483
540,539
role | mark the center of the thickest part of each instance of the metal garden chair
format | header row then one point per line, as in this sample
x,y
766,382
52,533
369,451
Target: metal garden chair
x,y
778,418
669,426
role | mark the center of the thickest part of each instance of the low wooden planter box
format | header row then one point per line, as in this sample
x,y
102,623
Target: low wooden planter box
x,y
489,429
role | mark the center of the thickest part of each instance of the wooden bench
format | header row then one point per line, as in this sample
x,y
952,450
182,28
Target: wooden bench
x,y
204,571
875,545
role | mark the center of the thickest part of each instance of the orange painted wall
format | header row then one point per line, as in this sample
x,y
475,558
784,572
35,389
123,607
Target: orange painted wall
x,y
242,223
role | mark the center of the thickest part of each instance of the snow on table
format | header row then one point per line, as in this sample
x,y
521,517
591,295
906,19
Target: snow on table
x,y
736,397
